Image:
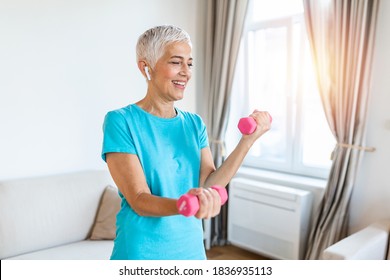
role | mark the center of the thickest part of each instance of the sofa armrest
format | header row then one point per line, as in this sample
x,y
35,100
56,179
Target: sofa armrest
x,y
370,243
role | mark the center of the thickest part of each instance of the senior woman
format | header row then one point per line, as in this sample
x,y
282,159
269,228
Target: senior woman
x,y
156,152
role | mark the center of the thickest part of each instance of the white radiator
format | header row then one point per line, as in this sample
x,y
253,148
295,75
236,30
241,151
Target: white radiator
x,y
268,219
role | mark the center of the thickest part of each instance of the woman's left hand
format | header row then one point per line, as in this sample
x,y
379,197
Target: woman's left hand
x,y
209,202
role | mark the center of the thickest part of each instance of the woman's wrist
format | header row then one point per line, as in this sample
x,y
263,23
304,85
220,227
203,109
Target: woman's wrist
x,y
246,142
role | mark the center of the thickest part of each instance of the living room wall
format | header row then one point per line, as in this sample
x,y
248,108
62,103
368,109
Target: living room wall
x,y
64,64
371,197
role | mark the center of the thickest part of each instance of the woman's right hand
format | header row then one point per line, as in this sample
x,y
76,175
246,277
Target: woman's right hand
x,y
263,120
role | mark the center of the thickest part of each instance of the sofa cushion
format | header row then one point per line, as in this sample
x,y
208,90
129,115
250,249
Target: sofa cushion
x,y
104,227
82,250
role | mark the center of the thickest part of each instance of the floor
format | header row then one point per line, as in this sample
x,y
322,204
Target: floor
x,y
230,252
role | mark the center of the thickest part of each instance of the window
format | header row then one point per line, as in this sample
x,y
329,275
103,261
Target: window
x,y
275,73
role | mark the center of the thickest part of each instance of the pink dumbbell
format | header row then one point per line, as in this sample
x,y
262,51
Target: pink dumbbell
x,y
248,125
188,204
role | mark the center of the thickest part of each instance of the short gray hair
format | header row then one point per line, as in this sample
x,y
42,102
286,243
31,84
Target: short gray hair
x,y
152,42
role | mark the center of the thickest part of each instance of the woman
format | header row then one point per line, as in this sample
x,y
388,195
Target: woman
x,y
156,153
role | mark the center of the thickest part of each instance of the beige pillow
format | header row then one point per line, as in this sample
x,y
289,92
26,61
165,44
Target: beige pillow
x,y
104,227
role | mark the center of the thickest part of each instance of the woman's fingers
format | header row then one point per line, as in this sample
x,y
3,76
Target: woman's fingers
x,y
263,120
209,203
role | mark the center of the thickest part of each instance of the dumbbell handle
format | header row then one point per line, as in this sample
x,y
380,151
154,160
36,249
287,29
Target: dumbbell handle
x,y
248,125
188,205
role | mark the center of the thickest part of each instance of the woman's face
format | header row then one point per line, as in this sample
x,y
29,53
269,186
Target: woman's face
x,y
172,72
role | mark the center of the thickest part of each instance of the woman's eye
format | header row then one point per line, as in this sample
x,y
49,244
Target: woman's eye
x,y
190,65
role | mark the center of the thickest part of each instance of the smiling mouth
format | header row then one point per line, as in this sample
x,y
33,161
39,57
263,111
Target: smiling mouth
x,y
179,83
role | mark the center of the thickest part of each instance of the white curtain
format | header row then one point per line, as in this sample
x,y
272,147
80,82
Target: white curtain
x,y
224,26
341,34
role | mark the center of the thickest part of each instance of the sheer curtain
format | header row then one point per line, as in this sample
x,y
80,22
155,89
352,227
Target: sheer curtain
x,y
341,34
224,26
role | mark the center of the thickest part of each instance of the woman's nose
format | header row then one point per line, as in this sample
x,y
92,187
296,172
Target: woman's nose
x,y
185,70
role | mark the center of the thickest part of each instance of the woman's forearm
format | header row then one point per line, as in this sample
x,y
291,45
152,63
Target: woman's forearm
x,y
154,206
230,166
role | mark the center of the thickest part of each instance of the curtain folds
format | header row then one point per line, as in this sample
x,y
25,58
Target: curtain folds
x,y
224,26
341,34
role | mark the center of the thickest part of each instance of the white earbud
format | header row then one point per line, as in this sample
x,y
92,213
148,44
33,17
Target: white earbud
x,y
147,73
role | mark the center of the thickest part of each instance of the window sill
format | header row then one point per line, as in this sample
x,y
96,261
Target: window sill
x,y
294,181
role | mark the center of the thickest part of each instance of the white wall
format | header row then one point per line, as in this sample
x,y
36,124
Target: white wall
x,y
63,65
371,197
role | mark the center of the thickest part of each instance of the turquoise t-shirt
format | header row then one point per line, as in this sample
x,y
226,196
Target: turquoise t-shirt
x,y
170,152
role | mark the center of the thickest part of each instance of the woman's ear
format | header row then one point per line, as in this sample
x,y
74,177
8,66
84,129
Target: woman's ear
x,y
144,68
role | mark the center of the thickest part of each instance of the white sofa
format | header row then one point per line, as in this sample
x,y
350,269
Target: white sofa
x,y
370,243
58,217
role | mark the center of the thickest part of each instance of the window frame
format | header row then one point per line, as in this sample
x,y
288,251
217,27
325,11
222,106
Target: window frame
x,y
294,116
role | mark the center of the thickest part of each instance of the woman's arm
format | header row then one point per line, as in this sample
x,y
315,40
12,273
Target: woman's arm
x,y
128,175
210,176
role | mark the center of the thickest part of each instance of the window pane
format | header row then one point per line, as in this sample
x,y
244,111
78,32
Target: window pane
x,y
267,78
318,142
317,139
275,73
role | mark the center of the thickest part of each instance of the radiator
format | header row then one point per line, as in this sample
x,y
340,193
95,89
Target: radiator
x,y
268,219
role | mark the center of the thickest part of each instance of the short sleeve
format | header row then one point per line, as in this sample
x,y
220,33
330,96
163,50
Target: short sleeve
x,y
116,135
203,138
